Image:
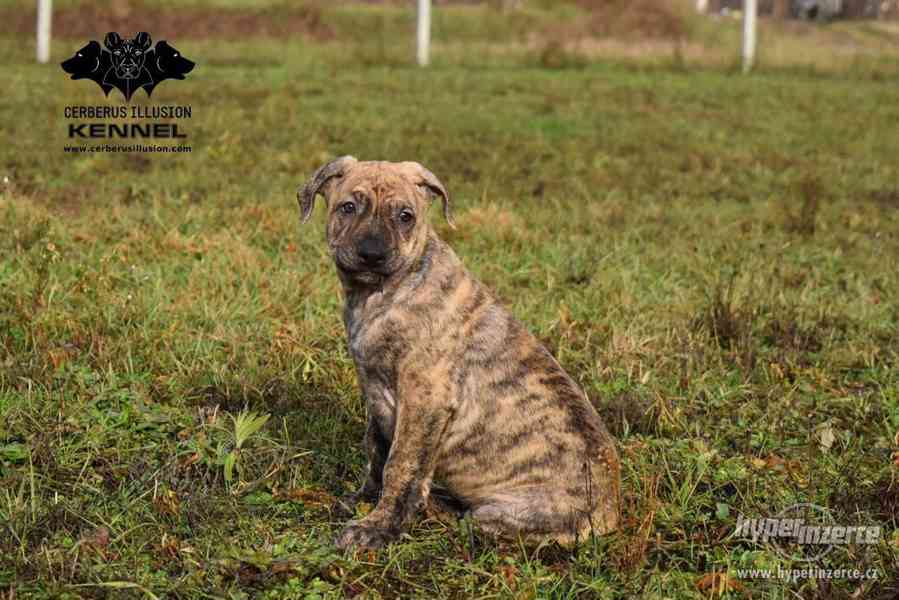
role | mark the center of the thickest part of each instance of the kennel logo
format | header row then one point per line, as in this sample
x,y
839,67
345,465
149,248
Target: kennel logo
x,y
128,64
804,532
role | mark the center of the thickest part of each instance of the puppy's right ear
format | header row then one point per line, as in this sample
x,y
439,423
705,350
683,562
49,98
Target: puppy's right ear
x,y
307,193
112,40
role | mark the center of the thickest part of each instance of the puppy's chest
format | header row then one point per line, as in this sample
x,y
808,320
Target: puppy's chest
x,y
377,351
377,343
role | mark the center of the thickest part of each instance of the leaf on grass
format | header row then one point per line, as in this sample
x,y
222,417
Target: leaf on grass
x,y
98,538
307,496
167,503
279,567
246,424
722,510
189,460
14,452
57,358
718,583
170,546
230,459
774,463
510,574
826,436
97,542
120,585
258,498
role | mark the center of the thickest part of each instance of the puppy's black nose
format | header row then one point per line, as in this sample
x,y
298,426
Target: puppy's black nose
x,y
372,250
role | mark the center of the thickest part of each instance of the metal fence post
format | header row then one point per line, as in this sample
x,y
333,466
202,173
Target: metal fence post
x,y
44,20
750,11
423,38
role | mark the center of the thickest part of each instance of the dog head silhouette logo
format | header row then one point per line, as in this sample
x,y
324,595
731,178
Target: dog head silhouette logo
x,y
91,62
167,63
128,64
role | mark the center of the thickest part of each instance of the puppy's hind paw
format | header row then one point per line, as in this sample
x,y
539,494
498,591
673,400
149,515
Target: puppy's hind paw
x,y
358,535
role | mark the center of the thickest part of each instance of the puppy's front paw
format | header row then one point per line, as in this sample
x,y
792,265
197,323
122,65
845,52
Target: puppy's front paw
x,y
357,534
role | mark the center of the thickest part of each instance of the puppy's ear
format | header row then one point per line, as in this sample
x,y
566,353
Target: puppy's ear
x,y
143,40
433,186
307,193
112,40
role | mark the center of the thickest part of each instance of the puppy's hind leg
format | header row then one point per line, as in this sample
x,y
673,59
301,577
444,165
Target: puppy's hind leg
x,y
532,513
443,505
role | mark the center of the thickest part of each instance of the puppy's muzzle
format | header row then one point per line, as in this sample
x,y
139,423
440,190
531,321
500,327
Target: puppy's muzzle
x,y
372,251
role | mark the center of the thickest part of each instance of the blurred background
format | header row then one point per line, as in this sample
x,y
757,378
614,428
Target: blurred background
x,y
547,33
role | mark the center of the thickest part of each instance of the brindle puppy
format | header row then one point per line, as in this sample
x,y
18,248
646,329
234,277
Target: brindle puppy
x,y
457,390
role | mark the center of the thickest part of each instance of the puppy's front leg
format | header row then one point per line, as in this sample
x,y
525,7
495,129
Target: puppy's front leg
x,y
377,447
421,419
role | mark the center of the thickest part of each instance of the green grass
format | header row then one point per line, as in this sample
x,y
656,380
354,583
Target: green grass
x,y
713,258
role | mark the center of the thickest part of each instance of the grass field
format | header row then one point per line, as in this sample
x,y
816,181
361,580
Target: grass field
x,y
713,257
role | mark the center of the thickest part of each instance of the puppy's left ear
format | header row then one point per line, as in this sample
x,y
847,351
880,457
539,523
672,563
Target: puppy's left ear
x,y
306,194
433,186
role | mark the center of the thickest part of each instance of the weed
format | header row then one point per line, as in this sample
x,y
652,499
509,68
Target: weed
x,y
246,424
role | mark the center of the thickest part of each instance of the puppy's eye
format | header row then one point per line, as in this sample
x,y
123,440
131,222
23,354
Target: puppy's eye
x,y
80,54
406,216
175,55
348,208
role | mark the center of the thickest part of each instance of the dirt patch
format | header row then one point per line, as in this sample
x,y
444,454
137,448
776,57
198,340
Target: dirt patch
x,y
885,198
629,413
623,28
93,22
660,19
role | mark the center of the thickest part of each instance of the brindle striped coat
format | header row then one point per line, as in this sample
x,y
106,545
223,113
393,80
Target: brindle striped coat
x,y
457,391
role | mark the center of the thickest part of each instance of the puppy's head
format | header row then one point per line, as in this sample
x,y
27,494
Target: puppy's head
x,y
377,214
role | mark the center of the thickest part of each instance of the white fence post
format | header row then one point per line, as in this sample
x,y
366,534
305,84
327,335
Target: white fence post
x,y
750,10
44,19
423,38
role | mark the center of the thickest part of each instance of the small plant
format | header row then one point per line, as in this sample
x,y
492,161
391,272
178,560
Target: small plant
x,y
246,425
723,317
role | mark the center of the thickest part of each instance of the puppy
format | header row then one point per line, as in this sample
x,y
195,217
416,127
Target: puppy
x,y
457,391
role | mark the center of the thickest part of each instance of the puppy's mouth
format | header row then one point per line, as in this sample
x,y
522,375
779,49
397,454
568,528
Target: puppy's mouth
x,y
354,270
365,276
